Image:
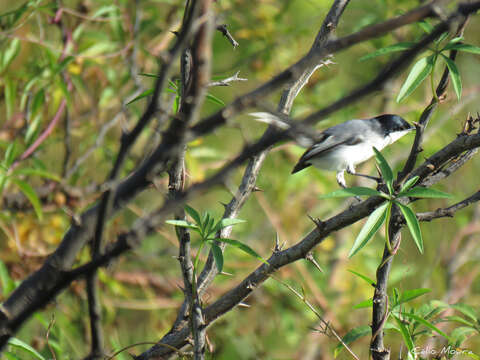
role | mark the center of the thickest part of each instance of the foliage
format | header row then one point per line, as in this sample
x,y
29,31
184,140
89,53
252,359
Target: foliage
x,y
382,213
105,75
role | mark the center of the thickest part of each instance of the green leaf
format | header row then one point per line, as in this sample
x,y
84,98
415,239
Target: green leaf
x,y
374,221
366,278
459,319
351,336
215,100
8,285
459,333
466,310
385,169
245,248
427,324
217,255
364,304
407,338
30,194
423,192
24,346
427,27
408,295
388,49
223,223
454,75
100,48
463,47
105,10
419,72
10,53
194,214
182,223
10,154
409,183
456,40
352,191
413,225
37,172
141,96
442,37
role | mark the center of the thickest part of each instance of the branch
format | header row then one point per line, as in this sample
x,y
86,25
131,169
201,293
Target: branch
x,y
223,29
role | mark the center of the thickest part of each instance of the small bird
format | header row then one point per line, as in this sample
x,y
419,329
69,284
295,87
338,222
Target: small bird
x,y
342,147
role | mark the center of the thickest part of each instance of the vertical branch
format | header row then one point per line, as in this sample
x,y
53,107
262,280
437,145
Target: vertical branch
x,y
380,296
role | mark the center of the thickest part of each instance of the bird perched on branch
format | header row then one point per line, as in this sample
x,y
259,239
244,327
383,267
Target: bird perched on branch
x,y
341,147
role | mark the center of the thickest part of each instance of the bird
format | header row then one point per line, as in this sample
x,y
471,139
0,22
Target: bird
x,y
341,147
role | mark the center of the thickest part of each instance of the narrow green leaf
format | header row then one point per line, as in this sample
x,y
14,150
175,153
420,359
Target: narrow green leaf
x,y
427,324
407,338
388,49
209,226
352,191
366,278
245,248
456,40
193,214
182,223
423,192
408,295
24,346
385,169
409,183
37,172
425,26
105,10
30,194
459,320
141,96
454,75
466,310
419,72
374,221
442,37
463,47
223,223
351,336
10,154
8,285
215,100
413,225
364,304
10,53
461,332
217,255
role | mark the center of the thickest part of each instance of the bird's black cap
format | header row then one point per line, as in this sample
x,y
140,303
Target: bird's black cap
x,y
392,123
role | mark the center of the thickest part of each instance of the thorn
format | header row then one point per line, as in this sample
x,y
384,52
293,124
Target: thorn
x,y
319,223
278,247
224,204
242,304
256,188
225,273
309,257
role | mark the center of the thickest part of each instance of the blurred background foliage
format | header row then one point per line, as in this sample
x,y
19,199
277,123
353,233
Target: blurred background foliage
x,y
114,42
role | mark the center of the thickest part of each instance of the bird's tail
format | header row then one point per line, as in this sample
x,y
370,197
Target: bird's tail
x,y
302,135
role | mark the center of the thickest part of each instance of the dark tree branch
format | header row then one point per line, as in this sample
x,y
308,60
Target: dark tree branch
x,y
26,298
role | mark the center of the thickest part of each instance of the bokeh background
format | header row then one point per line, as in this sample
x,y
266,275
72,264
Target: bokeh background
x,y
114,41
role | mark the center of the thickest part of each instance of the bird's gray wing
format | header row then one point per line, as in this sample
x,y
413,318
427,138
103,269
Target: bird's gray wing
x,y
326,143
329,142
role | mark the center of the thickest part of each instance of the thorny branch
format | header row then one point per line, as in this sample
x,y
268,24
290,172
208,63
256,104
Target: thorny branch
x,y
19,306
